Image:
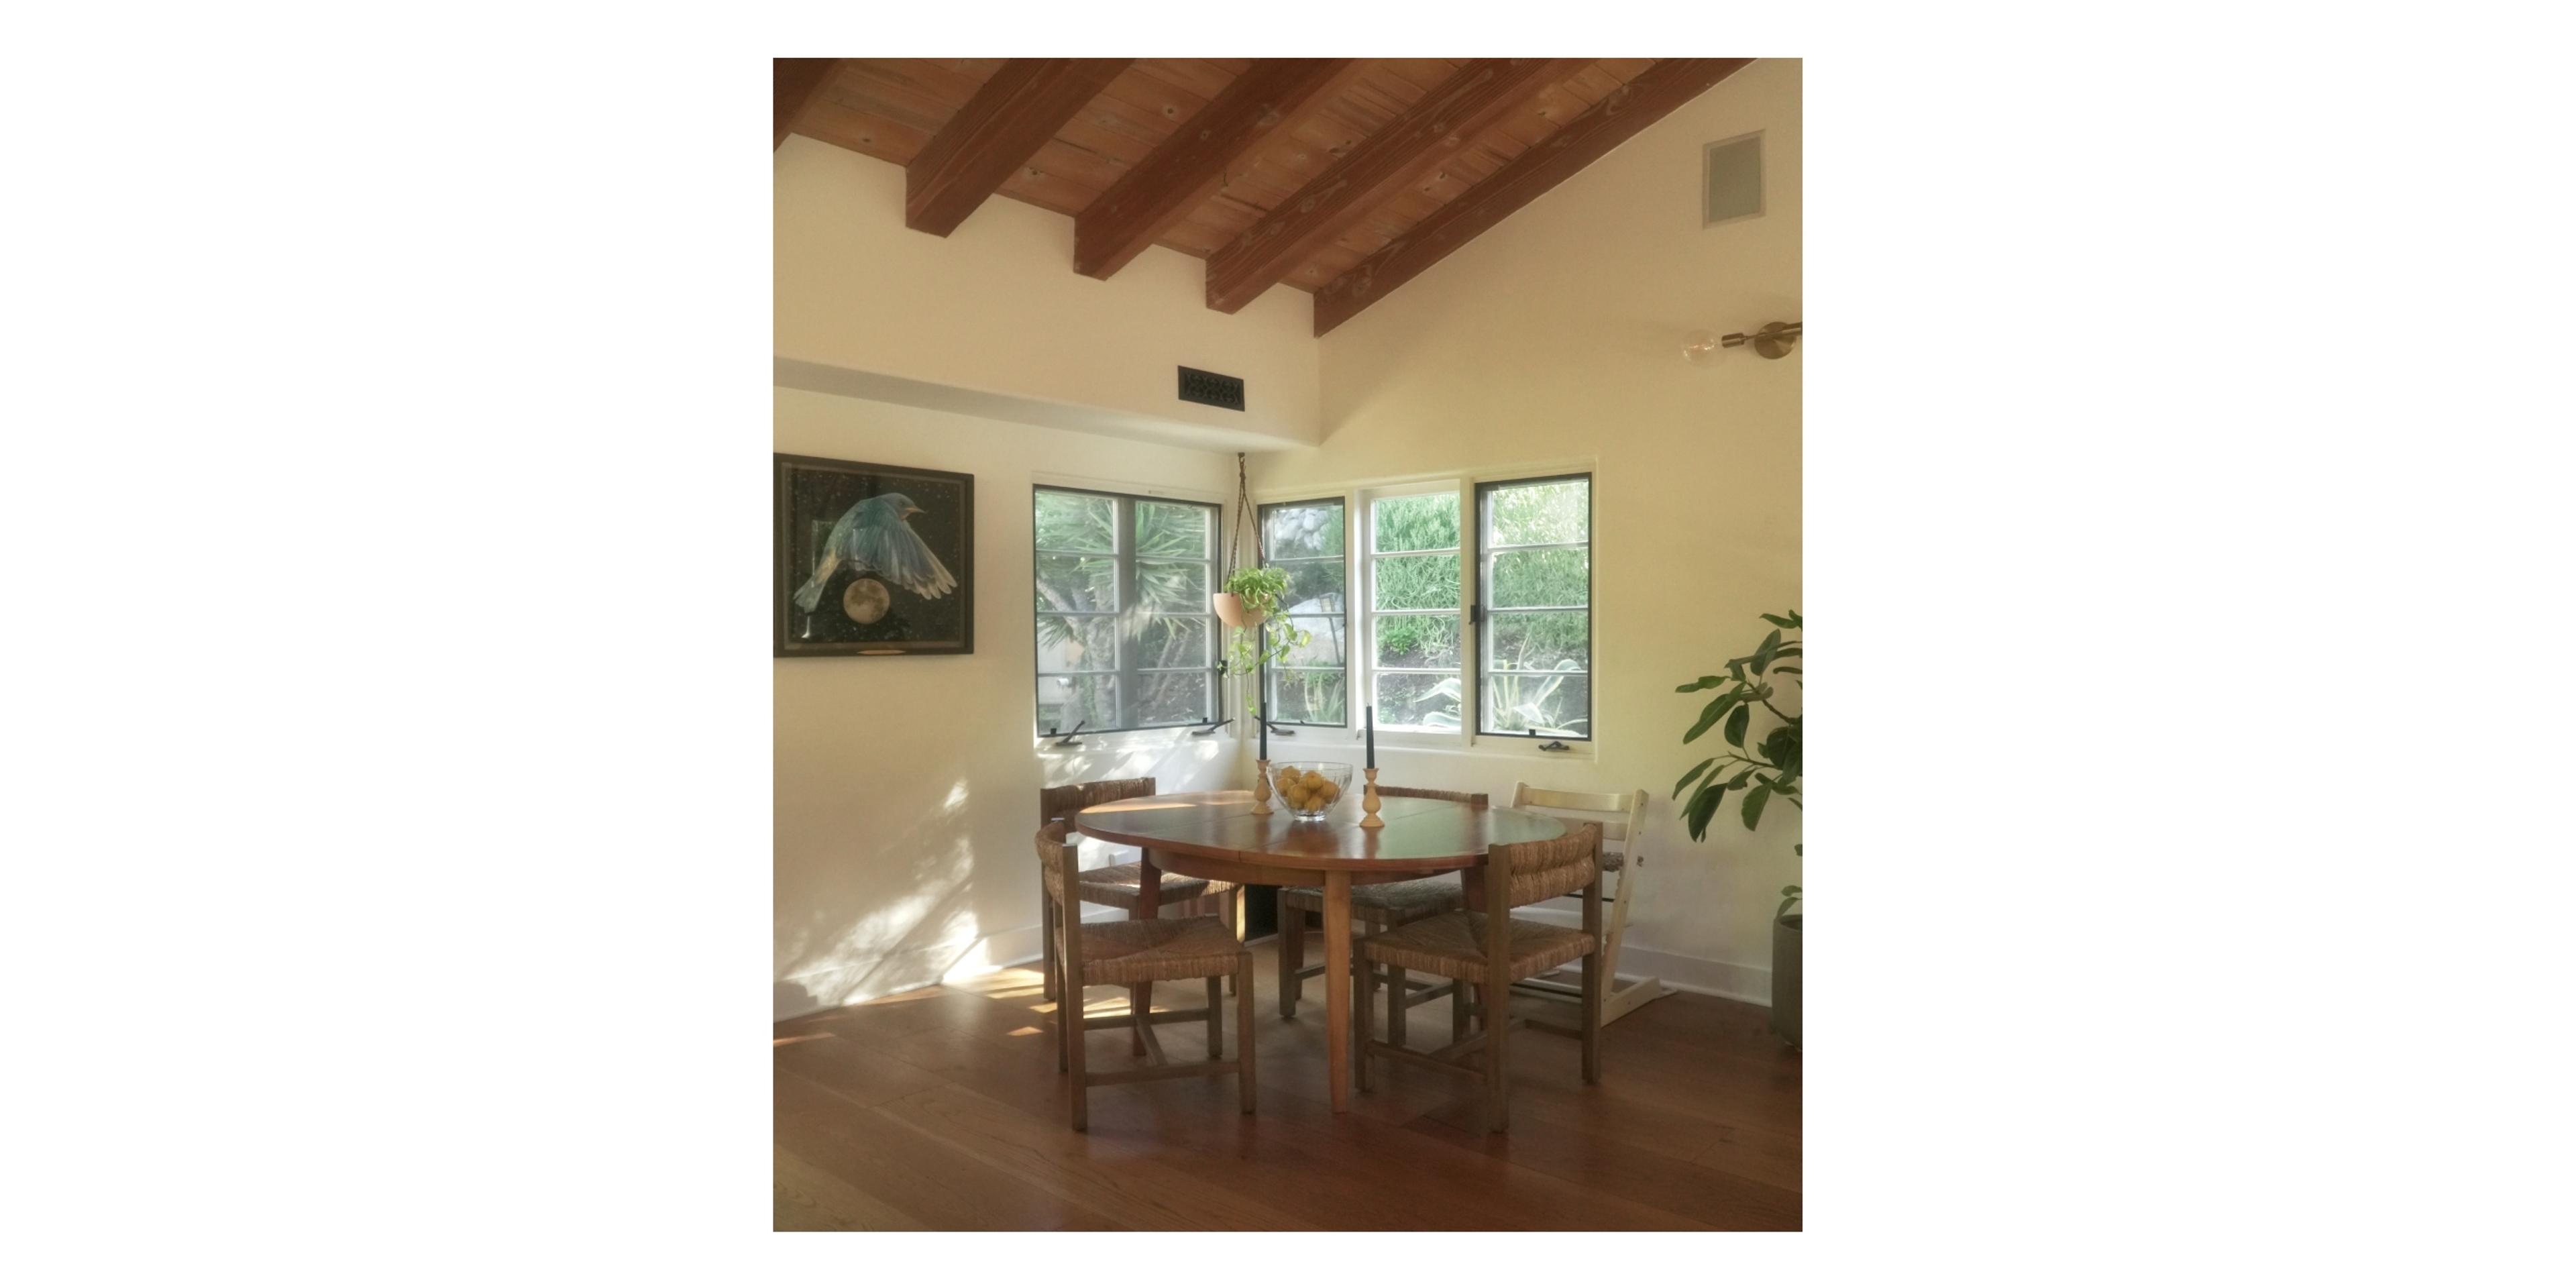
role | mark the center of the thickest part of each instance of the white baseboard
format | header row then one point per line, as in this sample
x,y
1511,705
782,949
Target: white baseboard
x,y
1735,980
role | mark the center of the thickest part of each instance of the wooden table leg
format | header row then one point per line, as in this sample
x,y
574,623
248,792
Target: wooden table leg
x,y
1337,987
1149,905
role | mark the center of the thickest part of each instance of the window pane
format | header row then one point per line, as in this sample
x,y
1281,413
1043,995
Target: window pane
x,y
1415,522
1172,531
1302,531
1172,587
1324,646
1543,578
1539,641
1077,583
1172,697
1417,701
1309,697
1314,587
1417,581
1429,643
1540,513
1076,521
1064,701
1173,641
1546,704
1077,643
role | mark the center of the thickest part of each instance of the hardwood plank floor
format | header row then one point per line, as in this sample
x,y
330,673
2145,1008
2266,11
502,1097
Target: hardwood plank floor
x,y
942,1110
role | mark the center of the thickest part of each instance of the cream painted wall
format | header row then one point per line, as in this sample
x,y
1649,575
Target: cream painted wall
x,y
995,308
1554,337
906,787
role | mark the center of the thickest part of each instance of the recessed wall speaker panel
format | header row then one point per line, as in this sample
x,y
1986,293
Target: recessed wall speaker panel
x,y
1211,389
1731,180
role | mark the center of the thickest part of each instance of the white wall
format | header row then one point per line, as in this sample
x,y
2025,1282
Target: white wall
x,y
906,787
995,311
1556,336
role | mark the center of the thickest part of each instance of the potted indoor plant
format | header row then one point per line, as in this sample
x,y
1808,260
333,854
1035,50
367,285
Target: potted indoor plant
x,y
1762,769
1250,596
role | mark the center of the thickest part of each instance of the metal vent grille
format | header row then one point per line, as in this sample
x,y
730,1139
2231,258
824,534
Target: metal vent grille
x,y
1211,389
1731,180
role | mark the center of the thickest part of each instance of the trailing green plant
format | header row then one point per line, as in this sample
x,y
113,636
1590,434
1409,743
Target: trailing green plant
x,y
1770,764
1273,640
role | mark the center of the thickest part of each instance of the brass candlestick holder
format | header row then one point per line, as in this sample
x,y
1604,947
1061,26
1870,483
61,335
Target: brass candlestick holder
x,y
1261,788
1368,801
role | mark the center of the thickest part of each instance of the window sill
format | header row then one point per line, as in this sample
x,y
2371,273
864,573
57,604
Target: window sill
x,y
1353,749
1123,740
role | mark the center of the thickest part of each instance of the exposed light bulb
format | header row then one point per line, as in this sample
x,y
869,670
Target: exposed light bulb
x,y
1701,347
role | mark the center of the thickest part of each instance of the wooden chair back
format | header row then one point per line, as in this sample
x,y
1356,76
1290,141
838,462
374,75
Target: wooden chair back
x,y
1540,870
1476,799
1072,798
1059,854
1622,815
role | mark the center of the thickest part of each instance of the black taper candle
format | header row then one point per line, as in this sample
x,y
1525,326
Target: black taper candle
x,y
1259,677
1372,736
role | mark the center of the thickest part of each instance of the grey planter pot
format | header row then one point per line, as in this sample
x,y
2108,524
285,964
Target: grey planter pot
x,y
1784,977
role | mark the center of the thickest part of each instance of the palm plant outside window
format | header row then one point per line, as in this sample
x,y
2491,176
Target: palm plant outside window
x,y
1534,579
1304,539
1125,636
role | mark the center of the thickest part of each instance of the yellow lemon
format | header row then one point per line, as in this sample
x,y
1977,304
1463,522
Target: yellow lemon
x,y
1330,792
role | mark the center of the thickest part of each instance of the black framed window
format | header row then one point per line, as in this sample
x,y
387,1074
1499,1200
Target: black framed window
x,y
1125,636
1534,601
1415,619
1308,541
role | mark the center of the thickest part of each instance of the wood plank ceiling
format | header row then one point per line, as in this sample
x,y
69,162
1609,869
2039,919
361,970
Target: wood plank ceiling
x,y
1341,177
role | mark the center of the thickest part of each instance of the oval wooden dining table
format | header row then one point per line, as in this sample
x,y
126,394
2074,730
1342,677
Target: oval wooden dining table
x,y
1216,835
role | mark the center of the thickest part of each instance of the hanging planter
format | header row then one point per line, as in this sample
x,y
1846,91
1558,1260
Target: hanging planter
x,y
1246,598
1231,610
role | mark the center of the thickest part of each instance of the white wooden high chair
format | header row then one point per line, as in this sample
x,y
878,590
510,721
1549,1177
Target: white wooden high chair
x,y
1622,816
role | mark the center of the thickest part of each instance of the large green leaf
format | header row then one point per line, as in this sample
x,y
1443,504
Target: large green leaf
x,y
1753,802
1777,620
1735,726
1687,779
1709,715
1702,808
1739,780
1703,682
1762,656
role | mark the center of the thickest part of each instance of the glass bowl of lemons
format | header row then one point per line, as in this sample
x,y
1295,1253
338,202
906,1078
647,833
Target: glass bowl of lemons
x,y
1308,788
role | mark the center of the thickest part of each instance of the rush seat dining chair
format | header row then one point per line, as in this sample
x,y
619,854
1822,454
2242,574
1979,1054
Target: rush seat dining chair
x,y
1622,816
1375,908
1136,952
1120,885
1491,949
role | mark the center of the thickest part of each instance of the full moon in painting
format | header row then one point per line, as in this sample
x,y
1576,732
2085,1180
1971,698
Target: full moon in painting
x,y
865,600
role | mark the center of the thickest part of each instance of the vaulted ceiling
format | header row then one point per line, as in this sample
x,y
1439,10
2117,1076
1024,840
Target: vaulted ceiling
x,y
1341,177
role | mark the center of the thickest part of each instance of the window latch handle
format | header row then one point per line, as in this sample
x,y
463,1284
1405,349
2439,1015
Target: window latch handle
x,y
1554,746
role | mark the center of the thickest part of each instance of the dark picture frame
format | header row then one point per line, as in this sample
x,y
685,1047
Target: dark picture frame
x,y
870,560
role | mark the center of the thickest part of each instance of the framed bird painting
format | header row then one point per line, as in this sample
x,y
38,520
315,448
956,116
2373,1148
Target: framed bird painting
x,y
872,559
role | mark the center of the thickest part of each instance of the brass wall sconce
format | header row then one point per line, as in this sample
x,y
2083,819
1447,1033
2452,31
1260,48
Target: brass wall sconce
x,y
1772,341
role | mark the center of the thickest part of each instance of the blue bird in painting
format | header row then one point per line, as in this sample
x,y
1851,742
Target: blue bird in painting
x,y
872,537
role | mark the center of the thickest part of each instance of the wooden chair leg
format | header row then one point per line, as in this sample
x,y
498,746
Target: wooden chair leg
x,y
1137,1009
1458,1011
1364,999
1216,1017
1046,937
1592,988
1243,1030
1234,921
1498,1003
1395,1006
1618,923
1077,1084
1292,957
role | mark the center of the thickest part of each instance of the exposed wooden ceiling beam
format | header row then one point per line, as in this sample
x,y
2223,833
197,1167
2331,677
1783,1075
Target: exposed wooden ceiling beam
x,y
1579,143
998,130
796,81
1429,132
1180,174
